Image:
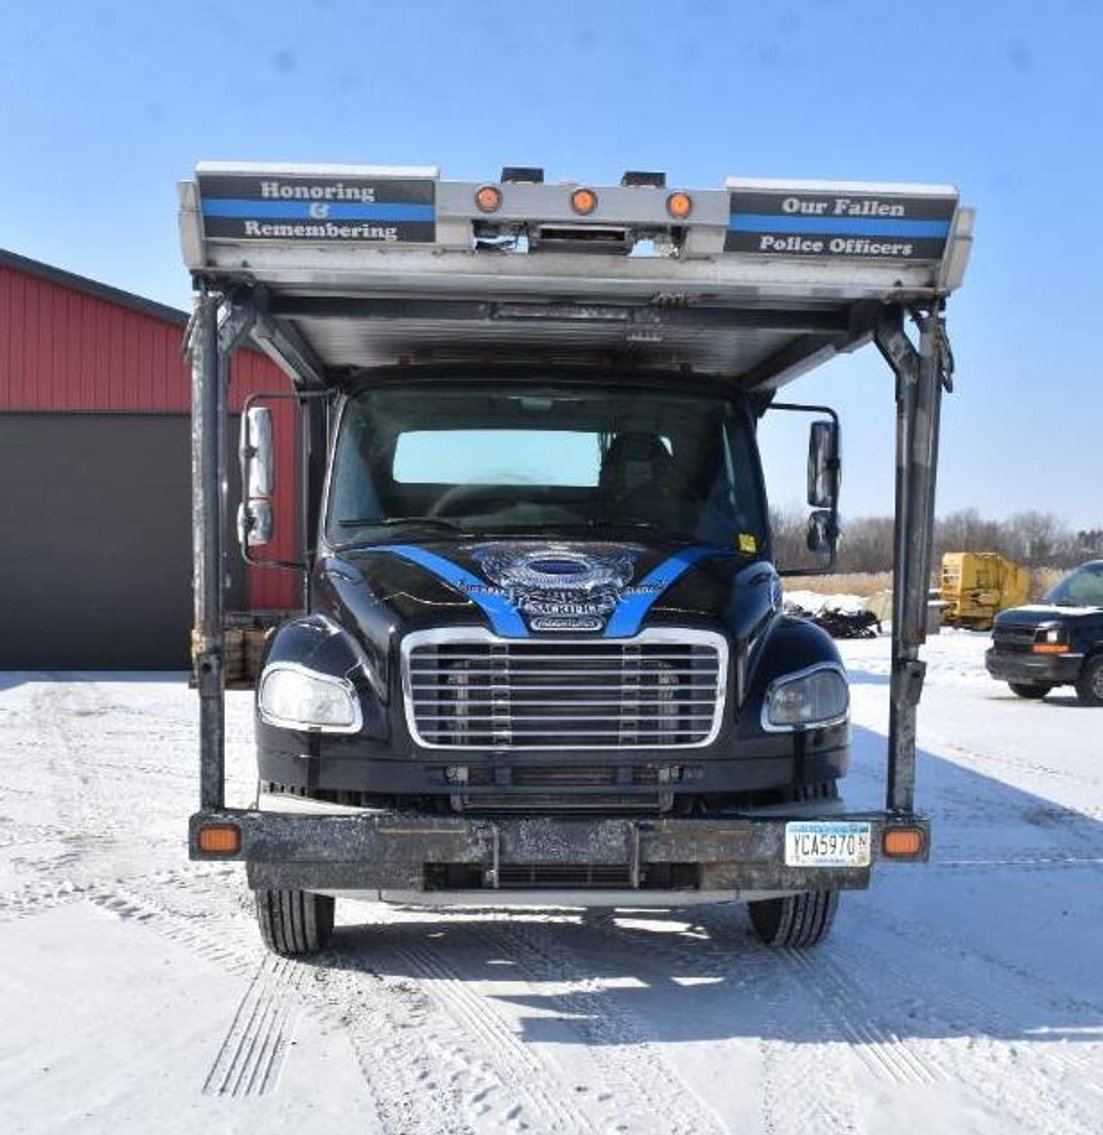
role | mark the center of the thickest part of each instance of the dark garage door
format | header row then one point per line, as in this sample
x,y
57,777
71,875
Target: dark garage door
x,y
95,541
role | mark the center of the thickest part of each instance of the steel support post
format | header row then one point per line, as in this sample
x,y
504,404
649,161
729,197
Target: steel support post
x,y
208,525
919,380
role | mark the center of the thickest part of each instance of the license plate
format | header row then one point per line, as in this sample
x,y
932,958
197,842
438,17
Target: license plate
x,y
827,843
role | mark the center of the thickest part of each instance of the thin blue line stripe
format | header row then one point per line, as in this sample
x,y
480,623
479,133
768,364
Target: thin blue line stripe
x,y
837,226
503,618
632,610
334,211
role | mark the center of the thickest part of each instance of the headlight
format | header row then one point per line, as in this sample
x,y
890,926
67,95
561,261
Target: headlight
x,y
811,698
1050,638
293,697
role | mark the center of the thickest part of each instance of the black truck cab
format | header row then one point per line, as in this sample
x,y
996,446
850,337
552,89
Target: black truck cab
x,y
548,591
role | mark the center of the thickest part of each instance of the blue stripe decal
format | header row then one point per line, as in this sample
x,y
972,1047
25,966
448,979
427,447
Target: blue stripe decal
x,y
504,619
836,226
318,210
632,609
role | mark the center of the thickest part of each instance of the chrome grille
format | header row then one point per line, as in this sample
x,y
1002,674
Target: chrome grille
x,y
468,689
1013,638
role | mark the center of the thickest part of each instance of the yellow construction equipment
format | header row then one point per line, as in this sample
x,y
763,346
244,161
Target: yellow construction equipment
x,y
975,585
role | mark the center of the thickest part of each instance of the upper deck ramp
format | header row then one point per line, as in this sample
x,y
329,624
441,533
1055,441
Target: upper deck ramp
x,y
344,267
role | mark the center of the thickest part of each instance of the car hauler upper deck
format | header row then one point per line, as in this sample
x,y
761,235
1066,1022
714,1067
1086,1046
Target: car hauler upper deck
x,y
542,655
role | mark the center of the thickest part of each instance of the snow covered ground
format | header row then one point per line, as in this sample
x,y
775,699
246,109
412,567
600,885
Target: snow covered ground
x,y
964,996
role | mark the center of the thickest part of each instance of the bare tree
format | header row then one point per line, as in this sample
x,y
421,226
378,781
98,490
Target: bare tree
x,y
790,531
866,544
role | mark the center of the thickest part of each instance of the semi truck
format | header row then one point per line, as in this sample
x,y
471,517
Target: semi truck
x,y
541,655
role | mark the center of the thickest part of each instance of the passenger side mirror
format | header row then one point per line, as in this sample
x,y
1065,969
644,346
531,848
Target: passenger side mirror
x,y
823,533
823,465
804,457
255,520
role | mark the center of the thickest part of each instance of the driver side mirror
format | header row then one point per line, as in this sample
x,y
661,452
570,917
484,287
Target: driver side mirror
x,y
255,521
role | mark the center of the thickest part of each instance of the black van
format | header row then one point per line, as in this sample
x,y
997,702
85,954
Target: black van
x,y
1058,642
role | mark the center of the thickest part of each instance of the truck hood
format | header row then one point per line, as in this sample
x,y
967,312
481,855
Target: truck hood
x,y
1037,613
517,588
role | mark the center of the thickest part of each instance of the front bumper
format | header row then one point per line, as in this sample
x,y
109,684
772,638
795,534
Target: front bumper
x,y
375,851
1040,669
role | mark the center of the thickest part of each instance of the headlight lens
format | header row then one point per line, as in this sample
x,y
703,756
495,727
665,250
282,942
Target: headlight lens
x,y
1050,633
294,697
814,697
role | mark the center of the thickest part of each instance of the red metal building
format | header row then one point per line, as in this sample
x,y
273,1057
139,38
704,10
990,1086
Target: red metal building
x,y
95,452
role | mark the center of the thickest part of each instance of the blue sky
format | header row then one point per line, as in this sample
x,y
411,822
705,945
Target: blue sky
x,y
107,105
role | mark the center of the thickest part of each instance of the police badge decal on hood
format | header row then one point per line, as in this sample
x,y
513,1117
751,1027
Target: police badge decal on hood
x,y
559,588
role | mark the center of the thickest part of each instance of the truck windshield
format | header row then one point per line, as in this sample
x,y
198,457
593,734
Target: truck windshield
x,y
1081,588
485,459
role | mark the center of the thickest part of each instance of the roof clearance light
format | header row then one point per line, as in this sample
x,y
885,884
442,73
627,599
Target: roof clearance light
x,y
637,177
532,174
488,198
584,201
679,205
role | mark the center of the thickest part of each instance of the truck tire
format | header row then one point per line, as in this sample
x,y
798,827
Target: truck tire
x,y
1089,686
803,919
1029,689
294,923
796,920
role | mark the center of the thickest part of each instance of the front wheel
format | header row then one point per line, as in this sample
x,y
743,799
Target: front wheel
x,y
795,920
803,919
1089,686
1029,689
294,923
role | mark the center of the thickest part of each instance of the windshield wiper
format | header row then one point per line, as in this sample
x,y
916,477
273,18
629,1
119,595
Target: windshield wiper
x,y
628,522
393,521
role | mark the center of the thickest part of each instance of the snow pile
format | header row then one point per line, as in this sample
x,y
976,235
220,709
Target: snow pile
x,y
842,616
814,602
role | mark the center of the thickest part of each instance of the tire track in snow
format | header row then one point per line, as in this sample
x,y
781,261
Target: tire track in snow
x,y
806,1087
16,834
1042,860
531,1098
185,930
37,898
1030,1101
383,1020
644,1087
415,1066
982,1016
87,814
883,1051
1003,760
252,1054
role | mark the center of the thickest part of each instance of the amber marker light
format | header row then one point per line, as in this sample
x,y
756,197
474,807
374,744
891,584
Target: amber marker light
x,y
679,205
221,839
584,201
488,198
902,843
1049,648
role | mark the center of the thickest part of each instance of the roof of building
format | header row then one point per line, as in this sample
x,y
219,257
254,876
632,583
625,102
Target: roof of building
x,y
92,287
